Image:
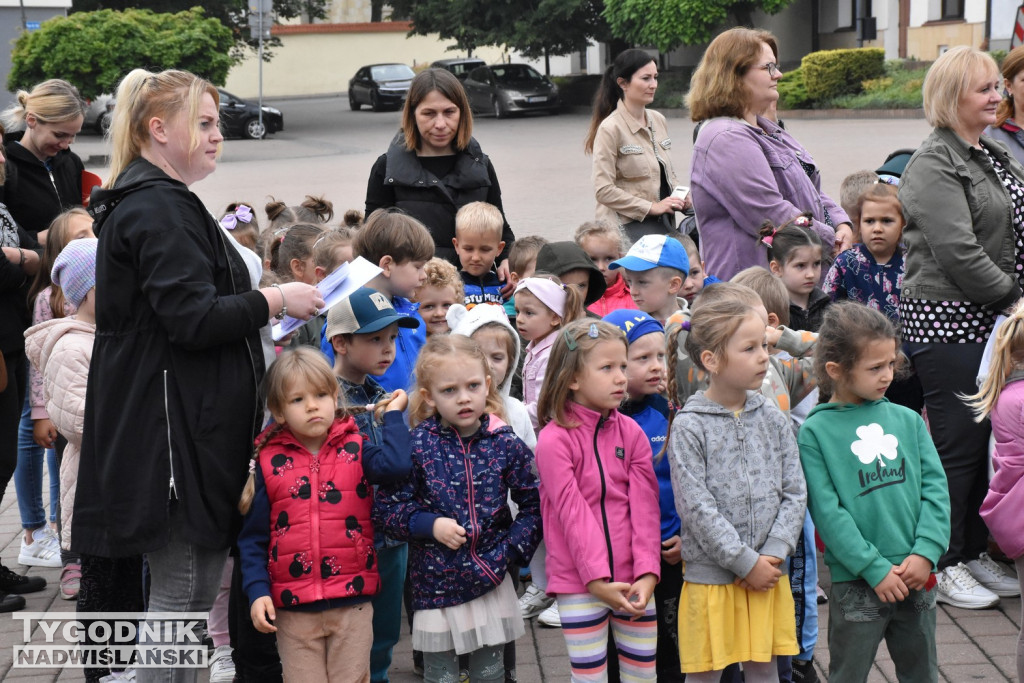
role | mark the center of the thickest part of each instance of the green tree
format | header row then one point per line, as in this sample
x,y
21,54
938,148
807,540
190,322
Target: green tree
x,y
667,24
94,50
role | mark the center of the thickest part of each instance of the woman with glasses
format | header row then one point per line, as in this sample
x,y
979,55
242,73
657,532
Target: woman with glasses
x,y
632,173
745,167
44,175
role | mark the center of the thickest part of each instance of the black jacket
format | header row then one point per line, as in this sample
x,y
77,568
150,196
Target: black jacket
x,y
399,178
14,286
171,404
33,197
809,319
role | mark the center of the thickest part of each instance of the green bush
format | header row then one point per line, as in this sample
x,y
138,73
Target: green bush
x,y
672,85
831,73
793,90
899,88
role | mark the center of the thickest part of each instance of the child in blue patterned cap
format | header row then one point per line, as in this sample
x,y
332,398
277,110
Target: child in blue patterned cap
x,y
646,405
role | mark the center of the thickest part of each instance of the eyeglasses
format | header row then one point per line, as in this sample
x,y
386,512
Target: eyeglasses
x,y
771,67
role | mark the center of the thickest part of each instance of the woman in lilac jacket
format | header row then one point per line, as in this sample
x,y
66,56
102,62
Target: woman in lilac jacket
x,y
746,168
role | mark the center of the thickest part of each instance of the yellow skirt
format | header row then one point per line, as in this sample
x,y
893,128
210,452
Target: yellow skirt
x,y
723,624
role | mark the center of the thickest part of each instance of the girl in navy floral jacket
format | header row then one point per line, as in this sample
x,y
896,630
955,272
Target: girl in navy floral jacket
x,y
454,511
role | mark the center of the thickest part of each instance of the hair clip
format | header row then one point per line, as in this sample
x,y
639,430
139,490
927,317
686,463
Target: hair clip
x,y
767,239
592,332
802,222
241,213
252,465
570,341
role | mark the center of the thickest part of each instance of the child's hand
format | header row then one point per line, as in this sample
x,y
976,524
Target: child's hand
x,y
613,594
892,588
262,613
44,433
914,571
448,532
399,400
772,335
640,593
672,550
763,576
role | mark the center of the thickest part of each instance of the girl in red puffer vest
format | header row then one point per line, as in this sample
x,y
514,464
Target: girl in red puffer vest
x,y
306,546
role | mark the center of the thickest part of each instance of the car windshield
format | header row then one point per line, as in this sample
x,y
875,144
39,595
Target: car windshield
x,y
391,72
461,68
516,72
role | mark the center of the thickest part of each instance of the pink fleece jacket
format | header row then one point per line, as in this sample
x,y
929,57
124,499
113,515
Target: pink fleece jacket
x,y
534,367
1005,500
598,501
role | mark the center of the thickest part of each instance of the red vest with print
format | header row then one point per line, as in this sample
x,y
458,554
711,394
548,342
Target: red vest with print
x,y
321,540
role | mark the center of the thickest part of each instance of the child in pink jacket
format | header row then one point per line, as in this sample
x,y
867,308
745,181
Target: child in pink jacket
x,y
599,504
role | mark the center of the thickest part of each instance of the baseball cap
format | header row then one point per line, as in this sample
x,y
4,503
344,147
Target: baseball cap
x,y
634,324
654,251
362,312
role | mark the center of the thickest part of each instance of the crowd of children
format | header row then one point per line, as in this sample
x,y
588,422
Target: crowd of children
x,y
655,449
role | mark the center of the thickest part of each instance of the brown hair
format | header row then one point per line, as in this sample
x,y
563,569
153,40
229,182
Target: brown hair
x,y
1007,356
353,219
1013,63
311,210
394,233
783,240
142,96
770,290
437,348
57,238
608,94
292,242
326,246
566,362
444,82
880,193
508,334
852,186
523,251
848,326
480,218
717,87
245,234
712,325
441,274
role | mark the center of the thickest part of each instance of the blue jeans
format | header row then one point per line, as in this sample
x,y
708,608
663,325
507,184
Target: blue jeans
x,y
387,609
28,476
184,577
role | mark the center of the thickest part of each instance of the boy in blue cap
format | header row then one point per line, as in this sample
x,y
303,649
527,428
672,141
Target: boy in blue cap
x,y
656,267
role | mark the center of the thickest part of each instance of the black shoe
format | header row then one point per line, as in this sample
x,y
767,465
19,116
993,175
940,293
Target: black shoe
x,y
804,671
11,603
13,582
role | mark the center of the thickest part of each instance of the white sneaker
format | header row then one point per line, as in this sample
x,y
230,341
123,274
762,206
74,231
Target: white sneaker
x,y
44,551
550,617
534,601
114,676
995,576
958,587
222,667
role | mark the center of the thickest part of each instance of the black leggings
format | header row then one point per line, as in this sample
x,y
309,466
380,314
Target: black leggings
x,y
12,400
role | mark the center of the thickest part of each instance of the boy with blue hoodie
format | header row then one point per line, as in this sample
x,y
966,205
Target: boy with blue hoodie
x,y
477,241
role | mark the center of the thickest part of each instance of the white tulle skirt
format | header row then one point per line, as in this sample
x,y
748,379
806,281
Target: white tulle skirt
x,y
492,619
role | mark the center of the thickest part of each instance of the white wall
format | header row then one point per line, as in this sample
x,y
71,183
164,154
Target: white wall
x,y
1004,13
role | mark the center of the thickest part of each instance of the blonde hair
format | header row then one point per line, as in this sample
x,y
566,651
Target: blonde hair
x,y
601,230
142,96
948,80
566,362
440,347
850,190
57,239
770,290
440,274
717,87
1007,356
523,252
302,364
52,101
712,325
479,218
573,299
1012,65
326,247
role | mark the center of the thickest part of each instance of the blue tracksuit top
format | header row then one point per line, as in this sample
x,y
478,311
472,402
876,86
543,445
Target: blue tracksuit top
x,y
651,413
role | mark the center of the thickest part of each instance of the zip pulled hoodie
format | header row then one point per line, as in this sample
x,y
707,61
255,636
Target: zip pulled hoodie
x,y
482,289
739,488
37,192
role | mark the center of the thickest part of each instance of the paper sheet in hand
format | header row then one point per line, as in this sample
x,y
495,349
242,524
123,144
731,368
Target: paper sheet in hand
x,y
347,278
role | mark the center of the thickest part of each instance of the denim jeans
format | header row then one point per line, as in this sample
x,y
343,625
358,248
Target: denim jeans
x,y
28,476
184,577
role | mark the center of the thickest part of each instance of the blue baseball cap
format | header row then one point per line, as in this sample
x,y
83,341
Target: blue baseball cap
x,y
633,323
654,251
362,312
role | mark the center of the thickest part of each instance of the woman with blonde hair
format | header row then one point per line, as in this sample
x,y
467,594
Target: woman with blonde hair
x,y
44,123
172,401
963,200
745,168
1010,115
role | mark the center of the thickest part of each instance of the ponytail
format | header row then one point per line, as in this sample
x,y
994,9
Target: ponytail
x,y
249,492
609,93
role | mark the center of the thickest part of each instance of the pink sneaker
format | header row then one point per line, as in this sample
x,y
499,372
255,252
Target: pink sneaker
x,y
70,578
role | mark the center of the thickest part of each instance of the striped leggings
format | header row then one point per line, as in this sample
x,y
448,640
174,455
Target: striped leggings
x,y
585,625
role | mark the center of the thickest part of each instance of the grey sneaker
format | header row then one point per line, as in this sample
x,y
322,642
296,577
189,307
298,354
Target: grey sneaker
x,y
958,587
995,576
222,667
534,601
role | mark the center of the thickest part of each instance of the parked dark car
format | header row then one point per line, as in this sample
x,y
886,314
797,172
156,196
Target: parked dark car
x,y
459,67
505,89
381,86
241,118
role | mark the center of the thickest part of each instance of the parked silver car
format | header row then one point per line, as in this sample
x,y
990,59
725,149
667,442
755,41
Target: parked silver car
x,y
504,89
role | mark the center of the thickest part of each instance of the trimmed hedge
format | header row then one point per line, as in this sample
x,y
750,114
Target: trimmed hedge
x,y
793,90
831,73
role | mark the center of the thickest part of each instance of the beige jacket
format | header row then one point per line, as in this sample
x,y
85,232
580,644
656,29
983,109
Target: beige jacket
x,y
626,171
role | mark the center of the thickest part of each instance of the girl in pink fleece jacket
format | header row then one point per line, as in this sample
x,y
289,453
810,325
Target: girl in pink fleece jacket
x,y
599,504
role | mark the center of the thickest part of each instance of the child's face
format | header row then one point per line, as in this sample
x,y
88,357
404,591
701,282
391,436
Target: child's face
x,y
602,251
303,270
652,290
645,364
405,278
881,225
477,250
308,412
578,278
601,384
534,320
367,354
746,357
801,271
694,281
458,393
434,305
870,376
494,342
80,227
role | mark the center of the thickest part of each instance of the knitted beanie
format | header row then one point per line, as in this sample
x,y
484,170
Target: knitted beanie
x,y
74,271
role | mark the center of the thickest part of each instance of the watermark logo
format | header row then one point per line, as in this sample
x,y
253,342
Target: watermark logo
x,y
116,640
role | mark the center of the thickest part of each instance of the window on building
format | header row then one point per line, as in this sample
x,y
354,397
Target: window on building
x,y
952,9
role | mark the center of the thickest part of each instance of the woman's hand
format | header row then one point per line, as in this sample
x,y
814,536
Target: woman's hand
x,y
44,433
448,532
844,238
303,301
667,205
262,613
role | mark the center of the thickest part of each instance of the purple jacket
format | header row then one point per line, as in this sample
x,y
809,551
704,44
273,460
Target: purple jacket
x,y
741,176
1005,500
